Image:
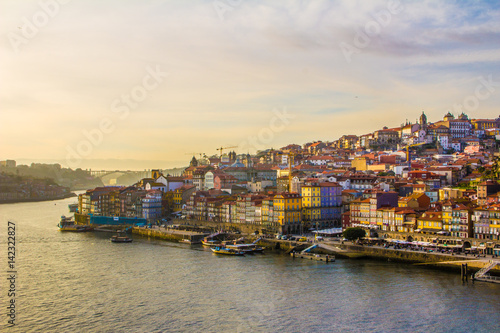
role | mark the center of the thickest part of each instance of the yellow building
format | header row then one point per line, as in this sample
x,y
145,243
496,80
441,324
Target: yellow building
x,y
447,216
359,163
287,208
385,218
405,220
181,196
311,203
364,209
360,212
420,188
447,193
495,222
430,222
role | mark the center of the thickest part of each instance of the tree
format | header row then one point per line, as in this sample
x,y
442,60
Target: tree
x,y
353,234
495,168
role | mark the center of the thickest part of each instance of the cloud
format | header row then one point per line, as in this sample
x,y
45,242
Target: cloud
x,y
226,76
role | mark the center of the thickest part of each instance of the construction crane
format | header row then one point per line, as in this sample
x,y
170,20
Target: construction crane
x,y
408,153
222,148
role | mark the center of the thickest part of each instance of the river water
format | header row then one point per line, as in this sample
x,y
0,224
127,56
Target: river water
x,y
81,282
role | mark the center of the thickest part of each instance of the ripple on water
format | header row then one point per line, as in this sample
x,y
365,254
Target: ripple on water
x,y
82,282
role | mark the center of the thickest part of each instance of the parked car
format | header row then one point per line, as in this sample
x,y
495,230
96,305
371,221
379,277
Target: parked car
x,y
292,238
283,237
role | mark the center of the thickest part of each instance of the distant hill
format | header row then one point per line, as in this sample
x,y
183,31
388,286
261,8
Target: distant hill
x,y
174,171
74,179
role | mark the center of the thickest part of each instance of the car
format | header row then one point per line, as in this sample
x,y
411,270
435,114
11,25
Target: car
x,y
319,238
303,239
283,237
292,238
278,236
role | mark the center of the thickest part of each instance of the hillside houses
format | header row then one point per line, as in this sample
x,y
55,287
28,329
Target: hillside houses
x,y
363,181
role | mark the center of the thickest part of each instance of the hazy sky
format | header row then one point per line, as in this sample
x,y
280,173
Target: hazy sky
x,y
142,83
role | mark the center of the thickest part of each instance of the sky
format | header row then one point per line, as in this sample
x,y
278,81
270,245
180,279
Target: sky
x,y
145,84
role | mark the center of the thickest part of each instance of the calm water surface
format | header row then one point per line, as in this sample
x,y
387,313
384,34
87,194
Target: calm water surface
x,y
69,282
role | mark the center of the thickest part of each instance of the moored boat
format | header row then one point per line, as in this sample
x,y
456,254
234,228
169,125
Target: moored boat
x,y
225,250
246,248
120,239
67,224
206,242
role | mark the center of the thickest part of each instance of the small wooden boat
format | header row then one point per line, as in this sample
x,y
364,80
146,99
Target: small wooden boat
x,y
120,239
246,248
210,243
225,250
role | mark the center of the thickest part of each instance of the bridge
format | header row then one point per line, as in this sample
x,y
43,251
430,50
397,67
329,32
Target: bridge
x,y
102,173
109,177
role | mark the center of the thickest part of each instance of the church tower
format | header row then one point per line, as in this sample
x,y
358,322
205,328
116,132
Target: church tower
x,y
193,163
423,119
448,117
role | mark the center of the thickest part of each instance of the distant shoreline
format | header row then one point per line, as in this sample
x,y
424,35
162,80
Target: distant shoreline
x,y
69,195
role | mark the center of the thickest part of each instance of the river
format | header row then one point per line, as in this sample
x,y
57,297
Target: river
x,y
81,282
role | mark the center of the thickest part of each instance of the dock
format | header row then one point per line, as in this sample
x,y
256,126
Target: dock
x,y
314,256
184,236
482,274
306,254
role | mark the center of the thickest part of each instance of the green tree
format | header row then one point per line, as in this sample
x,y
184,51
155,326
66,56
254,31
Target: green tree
x,y
495,168
353,234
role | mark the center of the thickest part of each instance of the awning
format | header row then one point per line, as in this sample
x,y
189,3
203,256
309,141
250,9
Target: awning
x,y
434,231
331,231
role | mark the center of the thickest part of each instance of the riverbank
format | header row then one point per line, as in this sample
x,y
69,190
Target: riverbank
x,y
443,261
353,251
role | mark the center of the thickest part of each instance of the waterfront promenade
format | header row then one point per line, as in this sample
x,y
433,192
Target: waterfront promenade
x,y
441,260
341,249
170,234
